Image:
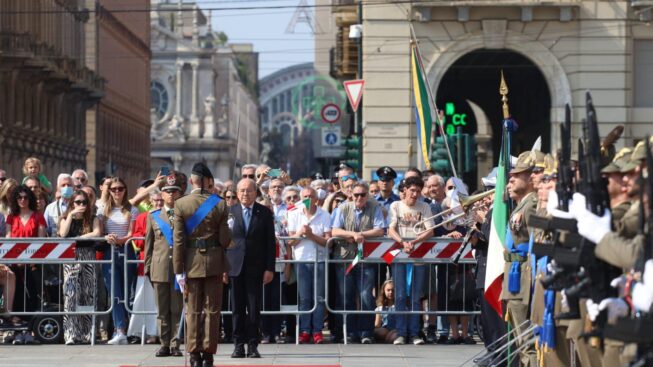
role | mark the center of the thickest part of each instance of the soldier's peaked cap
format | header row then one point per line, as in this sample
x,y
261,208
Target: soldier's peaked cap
x,y
201,169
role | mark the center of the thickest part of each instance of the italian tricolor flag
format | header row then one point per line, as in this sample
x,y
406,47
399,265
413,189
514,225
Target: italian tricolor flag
x,y
357,259
495,260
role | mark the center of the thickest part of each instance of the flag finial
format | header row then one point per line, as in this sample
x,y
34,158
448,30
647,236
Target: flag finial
x,y
503,91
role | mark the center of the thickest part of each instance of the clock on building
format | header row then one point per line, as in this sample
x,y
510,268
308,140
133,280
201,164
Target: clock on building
x,y
160,99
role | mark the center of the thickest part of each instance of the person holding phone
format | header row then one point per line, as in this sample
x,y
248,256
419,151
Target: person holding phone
x,y
79,279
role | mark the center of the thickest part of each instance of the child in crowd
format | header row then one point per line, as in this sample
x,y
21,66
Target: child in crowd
x,y
384,325
32,168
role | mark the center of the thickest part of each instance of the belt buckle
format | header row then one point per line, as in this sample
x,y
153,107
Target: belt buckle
x,y
201,245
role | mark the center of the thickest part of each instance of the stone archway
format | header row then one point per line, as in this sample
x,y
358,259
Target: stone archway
x,y
496,36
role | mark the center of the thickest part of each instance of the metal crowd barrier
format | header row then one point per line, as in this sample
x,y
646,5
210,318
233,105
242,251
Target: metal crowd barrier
x,y
51,252
385,251
376,252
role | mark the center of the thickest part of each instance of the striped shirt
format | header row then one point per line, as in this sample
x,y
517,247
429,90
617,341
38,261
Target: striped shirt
x,y
117,222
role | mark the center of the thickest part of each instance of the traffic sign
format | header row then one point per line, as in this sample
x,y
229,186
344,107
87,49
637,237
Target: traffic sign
x,y
354,90
331,136
330,113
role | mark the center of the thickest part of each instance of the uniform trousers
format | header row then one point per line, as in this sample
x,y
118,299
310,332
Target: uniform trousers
x,y
169,304
204,294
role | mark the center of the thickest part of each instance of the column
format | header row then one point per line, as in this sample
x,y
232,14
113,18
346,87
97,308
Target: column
x,y
194,121
180,65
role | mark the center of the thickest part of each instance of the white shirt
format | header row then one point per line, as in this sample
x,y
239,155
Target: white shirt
x,y
320,223
52,213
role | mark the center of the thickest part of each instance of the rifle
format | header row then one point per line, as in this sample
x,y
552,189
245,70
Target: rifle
x,y
594,274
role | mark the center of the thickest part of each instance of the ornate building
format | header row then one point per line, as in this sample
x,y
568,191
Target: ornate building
x,y
118,128
551,53
204,93
45,86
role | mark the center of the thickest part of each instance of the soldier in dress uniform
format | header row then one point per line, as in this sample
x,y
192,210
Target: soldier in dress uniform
x,y
517,271
201,235
158,267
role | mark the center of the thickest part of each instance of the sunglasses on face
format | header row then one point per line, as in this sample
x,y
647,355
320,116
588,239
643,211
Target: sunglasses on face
x,y
293,197
2,179
230,197
81,202
349,177
22,197
80,179
249,176
360,195
117,189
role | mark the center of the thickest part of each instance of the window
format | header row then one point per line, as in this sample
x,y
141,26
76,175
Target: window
x,y
160,99
643,75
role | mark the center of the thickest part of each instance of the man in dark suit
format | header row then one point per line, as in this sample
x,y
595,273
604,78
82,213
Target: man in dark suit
x,y
251,259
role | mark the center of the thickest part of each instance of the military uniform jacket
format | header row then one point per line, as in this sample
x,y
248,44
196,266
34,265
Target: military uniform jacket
x,y
520,234
158,252
194,262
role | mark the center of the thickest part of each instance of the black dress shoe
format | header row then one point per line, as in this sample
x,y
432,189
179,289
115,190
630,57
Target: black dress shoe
x,y
195,360
207,360
239,351
175,352
163,352
252,351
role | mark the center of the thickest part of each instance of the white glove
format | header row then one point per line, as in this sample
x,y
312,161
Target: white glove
x,y
592,310
591,226
619,283
578,206
552,207
181,280
563,300
230,223
616,307
642,296
647,277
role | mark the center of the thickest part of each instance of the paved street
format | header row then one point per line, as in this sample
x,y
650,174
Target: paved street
x,y
376,355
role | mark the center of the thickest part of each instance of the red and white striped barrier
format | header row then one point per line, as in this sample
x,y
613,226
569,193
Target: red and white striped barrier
x,y
37,250
425,250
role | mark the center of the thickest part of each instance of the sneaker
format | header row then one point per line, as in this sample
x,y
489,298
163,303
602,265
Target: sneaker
x,y
318,338
281,339
416,340
265,339
400,340
366,340
19,339
443,339
118,339
304,337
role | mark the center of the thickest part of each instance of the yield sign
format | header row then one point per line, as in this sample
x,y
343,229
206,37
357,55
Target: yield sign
x,y
354,89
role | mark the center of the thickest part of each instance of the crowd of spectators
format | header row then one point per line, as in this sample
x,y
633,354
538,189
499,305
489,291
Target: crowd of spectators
x,y
307,211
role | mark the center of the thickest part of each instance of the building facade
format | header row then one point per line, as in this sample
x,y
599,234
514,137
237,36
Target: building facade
x,y
118,127
291,123
45,86
551,54
204,94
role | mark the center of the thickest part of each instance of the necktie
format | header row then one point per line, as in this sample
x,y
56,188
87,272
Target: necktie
x,y
246,217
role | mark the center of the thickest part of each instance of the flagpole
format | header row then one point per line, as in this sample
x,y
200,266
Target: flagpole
x,y
430,95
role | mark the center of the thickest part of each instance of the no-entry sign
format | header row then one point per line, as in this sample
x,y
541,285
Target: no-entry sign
x,y
330,113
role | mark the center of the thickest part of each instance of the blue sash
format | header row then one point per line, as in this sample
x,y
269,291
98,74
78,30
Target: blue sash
x,y
202,212
166,229
163,225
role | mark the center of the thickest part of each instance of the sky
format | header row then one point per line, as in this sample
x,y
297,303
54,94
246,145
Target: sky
x,y
266,29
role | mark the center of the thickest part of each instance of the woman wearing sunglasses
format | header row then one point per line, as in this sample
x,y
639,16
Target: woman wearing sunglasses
x,y
118,217
25,221
79,279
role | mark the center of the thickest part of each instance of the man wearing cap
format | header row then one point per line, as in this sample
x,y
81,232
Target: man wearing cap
x,y
386,182
517,271
201,234
158,267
